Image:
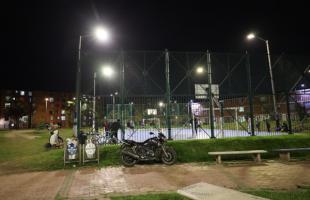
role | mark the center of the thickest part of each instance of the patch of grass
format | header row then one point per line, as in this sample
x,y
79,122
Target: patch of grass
x,y
197,150
26,152
162,196
301,194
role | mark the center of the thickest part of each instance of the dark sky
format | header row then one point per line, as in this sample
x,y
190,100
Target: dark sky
x,y
41,37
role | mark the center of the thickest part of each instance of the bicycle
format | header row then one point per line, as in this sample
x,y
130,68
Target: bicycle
x,y
100,138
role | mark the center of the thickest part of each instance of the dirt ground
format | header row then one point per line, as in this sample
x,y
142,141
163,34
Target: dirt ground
x,y
93,183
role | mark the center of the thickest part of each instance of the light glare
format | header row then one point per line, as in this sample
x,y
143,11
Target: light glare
x,y
199,70
102,34
107,71
251,36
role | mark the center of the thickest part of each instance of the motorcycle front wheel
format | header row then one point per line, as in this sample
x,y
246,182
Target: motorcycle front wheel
x,y
170,157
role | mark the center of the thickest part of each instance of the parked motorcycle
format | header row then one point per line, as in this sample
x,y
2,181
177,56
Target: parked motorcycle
x,y
153,148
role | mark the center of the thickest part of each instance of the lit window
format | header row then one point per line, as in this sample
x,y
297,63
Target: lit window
x,y
63,112
22,93
30,94
13,98
51,99
7,105
63,118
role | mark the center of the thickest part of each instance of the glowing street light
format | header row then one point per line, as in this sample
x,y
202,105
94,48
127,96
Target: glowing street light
x,y
161,104
200,70
250,36
107,71
102,34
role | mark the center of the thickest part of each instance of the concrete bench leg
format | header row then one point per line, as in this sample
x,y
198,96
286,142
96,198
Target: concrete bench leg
x,y
257,158
285,156
218,159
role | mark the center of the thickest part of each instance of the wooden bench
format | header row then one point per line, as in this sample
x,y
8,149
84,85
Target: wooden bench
x,y
255,153
285,154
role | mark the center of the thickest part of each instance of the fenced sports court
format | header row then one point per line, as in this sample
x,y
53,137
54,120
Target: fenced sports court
x,y
164,90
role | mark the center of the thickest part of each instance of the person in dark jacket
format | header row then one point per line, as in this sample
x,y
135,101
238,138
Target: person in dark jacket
x,y
267,125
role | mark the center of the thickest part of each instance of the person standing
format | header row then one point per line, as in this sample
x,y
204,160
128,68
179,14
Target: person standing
x,y
195,124
267,125
249,125
257,124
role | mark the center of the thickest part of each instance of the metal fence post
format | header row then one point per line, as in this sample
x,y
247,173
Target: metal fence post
x,y
210,94
250,95
288,113
168,95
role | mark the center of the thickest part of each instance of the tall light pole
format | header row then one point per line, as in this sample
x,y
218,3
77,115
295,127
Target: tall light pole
x,y
253,36
113,104
108,72
102,35
46,99
94,102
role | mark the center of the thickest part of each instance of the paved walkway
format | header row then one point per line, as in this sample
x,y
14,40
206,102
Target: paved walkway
x,y
98,183
205,191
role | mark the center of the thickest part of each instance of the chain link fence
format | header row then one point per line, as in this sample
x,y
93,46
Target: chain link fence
x,y
242,103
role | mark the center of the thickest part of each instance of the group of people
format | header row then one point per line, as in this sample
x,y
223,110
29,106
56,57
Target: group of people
x,y
282,128
112,127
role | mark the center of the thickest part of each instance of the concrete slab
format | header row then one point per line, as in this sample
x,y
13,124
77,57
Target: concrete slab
x,y
205,191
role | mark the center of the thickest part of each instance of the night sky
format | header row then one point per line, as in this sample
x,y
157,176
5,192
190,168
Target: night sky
x,y
41,37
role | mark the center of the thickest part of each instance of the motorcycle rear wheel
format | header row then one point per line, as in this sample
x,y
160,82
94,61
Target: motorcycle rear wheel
x,y
171,156
127,160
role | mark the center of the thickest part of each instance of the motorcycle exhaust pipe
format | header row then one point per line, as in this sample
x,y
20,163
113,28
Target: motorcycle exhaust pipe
x,y
131,154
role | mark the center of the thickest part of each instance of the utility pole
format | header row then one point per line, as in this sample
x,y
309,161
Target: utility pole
x,y
168,95
210,96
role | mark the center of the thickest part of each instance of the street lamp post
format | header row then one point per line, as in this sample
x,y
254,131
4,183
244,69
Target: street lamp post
x,y
94,102
102,35
108,72
46,99
113,105
250,37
